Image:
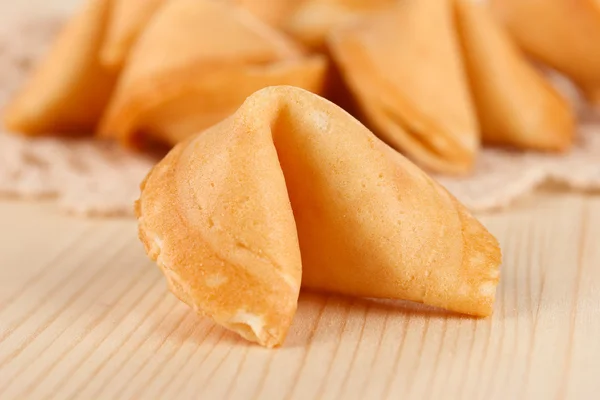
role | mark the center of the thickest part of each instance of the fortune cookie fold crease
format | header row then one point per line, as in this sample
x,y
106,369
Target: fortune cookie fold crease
x,y
292,190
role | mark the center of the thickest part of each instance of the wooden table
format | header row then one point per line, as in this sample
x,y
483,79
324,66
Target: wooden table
x,y
84,314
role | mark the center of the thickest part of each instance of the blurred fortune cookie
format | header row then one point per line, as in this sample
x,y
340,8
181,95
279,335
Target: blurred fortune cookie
x,y
69,88
563,34
128,19
194,64
292,190
406,71
433,78
515,105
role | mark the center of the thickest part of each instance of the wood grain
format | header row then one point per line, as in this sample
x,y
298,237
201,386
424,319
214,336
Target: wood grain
x,y
84,314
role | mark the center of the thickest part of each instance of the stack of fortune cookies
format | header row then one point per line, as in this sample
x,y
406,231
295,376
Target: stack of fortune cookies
x,y
156,70
435,79
195,64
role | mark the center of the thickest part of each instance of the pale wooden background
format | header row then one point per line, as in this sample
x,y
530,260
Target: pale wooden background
x,y
84,314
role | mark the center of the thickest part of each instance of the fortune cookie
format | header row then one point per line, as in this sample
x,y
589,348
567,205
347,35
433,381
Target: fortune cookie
x,y
70,88
563,34
406,71
194,65
516,106
312,20
293,190
127,20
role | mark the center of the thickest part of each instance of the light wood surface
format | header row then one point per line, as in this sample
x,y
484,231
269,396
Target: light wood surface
x,y
84,314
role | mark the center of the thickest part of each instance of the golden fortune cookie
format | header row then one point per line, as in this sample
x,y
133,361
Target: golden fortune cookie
x,y
516,106
291,190
194,65
405,68
563,34
69,89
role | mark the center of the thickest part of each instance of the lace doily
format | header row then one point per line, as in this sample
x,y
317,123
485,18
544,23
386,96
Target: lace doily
x,y
87,177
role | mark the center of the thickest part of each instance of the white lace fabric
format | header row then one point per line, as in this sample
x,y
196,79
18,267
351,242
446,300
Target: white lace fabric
x,y
94,178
